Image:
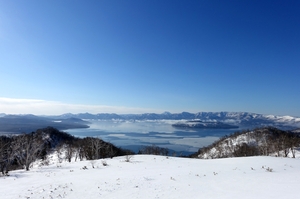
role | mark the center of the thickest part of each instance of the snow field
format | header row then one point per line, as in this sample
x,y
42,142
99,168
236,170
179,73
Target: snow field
x,y
149,176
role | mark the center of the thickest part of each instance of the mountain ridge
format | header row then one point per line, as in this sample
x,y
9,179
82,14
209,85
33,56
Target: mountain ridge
x,y
237,118
19,123
168,115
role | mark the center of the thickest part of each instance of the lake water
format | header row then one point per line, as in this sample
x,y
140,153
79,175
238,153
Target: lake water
x,y
134,134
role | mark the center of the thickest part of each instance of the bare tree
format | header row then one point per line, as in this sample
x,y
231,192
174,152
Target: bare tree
x,y
69,152
60,153
27,148
93,147
293,143
155,150
111,151
6,154
96,145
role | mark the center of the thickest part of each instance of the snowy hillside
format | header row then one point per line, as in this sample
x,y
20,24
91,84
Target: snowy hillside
x,y
149,176
262,141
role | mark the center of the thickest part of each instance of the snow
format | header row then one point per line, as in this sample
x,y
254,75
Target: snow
x,y
287,117
226,147
149,176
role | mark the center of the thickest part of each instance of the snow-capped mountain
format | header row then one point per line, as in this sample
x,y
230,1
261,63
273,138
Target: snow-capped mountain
x,y
11,123
236,118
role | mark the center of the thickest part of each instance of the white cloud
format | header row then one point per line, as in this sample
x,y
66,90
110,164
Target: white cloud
x,y
44,107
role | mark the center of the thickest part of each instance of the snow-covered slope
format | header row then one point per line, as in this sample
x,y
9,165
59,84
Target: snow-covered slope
x,y
262,141
148,176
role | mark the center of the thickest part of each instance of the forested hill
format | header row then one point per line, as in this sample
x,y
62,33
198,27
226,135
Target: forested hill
x,y
20,151
261,141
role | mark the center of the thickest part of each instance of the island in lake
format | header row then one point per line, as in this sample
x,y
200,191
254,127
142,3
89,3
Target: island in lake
x,y
203,125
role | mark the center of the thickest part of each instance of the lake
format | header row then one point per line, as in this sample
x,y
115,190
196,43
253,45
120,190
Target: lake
x,y
137,133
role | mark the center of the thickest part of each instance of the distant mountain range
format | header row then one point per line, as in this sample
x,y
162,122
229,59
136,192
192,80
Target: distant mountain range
x,y
25,123
30,123
235,118
177,116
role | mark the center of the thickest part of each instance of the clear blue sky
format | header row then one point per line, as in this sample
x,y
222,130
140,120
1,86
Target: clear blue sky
x,y
151,55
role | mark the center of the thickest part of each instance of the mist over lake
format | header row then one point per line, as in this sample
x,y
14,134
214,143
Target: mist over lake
x,y
134,134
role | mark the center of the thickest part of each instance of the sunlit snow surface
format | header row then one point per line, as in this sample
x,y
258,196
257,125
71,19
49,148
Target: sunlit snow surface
x,y
148,176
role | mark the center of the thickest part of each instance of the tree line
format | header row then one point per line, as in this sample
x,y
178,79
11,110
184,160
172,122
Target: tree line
x,y
20,151
261,141
154,150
